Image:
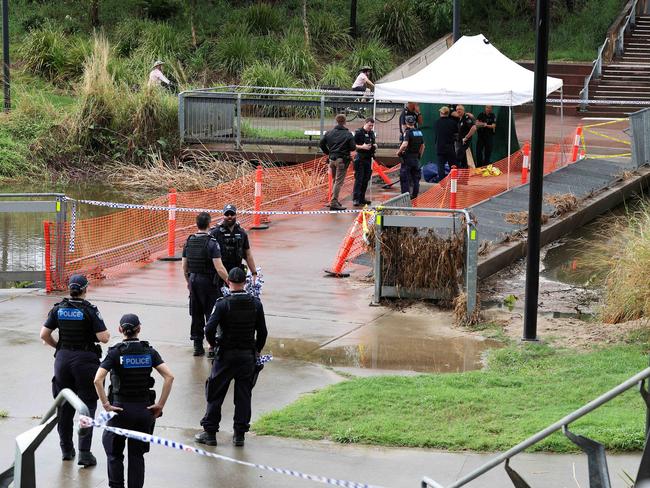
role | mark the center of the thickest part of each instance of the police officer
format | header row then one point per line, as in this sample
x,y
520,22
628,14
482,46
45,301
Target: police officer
x,y
233,241
487,125
364,138
466,130
202,266
130,395
77,358
239,318
412,109
445,129
411,151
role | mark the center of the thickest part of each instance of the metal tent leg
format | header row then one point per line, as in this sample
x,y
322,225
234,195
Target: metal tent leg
x,y
597,459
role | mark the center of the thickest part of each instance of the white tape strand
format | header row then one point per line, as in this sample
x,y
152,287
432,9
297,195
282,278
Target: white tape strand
x,y
104,417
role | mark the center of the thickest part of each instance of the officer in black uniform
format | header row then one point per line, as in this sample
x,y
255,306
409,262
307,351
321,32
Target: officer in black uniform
x,y
466,129
238,328
130,395
233,241
411,151
202,267
364,138
487,125
412,109
77,358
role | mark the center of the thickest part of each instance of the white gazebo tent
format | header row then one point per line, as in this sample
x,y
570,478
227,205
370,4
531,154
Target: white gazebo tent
x,y
454,78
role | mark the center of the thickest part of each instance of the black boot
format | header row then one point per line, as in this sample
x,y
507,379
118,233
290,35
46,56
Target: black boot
x,y
198,347
68,455
238,439
86,458
207,438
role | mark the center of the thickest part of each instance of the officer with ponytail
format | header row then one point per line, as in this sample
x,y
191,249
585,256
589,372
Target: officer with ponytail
x,y
80,327
131,396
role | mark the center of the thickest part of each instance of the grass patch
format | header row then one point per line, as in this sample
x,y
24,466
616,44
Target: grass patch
x,y
270,133
525,389
4,414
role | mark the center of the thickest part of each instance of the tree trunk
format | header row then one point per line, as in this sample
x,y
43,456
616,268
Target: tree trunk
x,y
192,26
353,18
305,24
94,13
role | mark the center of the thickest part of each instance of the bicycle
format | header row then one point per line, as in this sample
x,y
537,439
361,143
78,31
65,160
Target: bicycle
x,y
381,114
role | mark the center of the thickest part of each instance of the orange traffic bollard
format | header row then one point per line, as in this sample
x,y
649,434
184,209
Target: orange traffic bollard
x,y
257,217
344,252
453,178
525,165
376,167
576,144
171,227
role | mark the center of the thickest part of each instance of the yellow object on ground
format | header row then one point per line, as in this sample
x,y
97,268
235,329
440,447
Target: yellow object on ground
x,y
488,170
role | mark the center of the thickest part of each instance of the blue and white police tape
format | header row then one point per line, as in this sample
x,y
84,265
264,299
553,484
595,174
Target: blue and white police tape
x,y
104,417
162,208
251,288
264,358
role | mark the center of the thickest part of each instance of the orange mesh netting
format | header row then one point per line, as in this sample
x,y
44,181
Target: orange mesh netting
x,y
110,244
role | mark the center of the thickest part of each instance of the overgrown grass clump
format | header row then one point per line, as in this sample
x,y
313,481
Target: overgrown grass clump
x,y
524,390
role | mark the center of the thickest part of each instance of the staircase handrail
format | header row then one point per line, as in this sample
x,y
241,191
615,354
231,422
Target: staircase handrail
x,y
614,44
562,424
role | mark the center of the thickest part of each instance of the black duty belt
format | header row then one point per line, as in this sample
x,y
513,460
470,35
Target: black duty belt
x,y
144,398
78,347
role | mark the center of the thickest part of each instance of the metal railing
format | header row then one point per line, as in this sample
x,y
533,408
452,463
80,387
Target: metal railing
x,y
241,115
597,462
385,219
23,472
614,44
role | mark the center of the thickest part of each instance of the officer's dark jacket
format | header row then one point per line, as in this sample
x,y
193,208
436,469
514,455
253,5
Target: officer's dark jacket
x,y
238,321
489,119
415,140
78,322
402,118
465,123
233,244
338,143
130,363
198,255
362,137
446,129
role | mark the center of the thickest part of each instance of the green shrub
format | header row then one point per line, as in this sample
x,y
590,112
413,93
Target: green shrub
x,y
159,9
265,73
435,15
235,52
162,41
267,48
51,54
398,24
336,75
263,18
128,35
327,31
296,56
372,53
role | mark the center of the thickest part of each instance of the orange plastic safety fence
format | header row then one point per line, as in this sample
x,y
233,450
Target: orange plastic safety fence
x,y
107,245
473,187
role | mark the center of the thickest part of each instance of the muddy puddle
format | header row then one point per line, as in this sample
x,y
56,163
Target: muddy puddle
x,y
423,355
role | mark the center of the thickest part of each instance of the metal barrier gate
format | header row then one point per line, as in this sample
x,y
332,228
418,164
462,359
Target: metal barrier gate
x,y
24,238
640,124
441,224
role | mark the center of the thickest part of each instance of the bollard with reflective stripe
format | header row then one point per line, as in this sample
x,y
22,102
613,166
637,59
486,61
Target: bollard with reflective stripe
x,y
526,163
172,199
576,144
376,167
257,217
453,178
339,262
48,256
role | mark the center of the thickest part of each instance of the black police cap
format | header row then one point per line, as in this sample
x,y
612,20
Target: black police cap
x,y
129,321
230,208
237,275
409,119
77,282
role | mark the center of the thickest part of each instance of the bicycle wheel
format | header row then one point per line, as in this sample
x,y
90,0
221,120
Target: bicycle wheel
x,y
350,113
385,115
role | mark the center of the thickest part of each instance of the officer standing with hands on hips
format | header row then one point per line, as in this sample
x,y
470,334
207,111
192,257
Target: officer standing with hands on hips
x,y
130,395
233,242
238,329
77,356
202,266
411,151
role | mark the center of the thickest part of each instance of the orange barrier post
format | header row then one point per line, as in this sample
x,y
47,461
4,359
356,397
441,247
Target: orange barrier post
x,y
376,167
257,217
330,183
576,144
48,256
172,198
344,252
525,163
453,178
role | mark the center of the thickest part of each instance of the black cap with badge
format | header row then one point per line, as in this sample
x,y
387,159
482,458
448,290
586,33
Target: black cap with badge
x,y
129,321
77,282
230,208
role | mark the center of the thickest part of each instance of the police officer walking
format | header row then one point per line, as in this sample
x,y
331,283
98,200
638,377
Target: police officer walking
x,y
233,242
77,356
202,267
130,395
238,329
411,151
364,138
487,125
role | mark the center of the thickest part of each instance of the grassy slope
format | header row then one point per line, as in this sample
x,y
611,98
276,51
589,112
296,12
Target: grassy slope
x,y
525,390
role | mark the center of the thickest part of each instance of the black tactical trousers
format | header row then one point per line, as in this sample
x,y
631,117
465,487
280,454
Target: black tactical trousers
x,y
234,364
134,416
75,370
203,293
484,150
